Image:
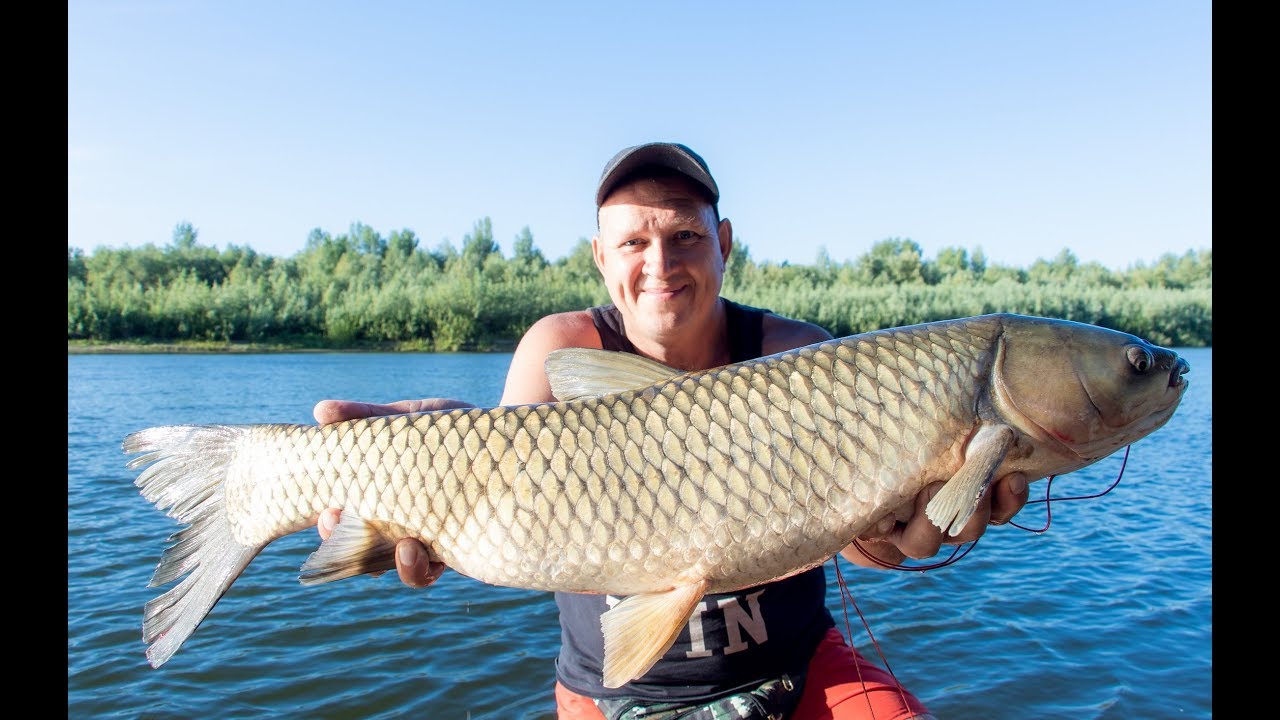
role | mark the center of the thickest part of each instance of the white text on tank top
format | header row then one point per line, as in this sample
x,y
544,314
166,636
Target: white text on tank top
x,y
736,620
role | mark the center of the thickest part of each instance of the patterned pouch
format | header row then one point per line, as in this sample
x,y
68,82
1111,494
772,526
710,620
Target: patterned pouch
x,y
770,700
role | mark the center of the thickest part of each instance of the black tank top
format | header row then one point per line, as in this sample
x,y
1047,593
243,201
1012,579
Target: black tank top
x,y
732,638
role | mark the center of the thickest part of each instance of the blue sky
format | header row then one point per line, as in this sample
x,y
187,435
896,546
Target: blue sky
x,y
1018,128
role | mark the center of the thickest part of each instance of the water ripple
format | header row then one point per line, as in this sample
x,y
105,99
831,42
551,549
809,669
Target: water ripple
x,y
1108,614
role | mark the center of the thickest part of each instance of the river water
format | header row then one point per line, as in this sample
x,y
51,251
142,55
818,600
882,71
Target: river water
x,y
1108,614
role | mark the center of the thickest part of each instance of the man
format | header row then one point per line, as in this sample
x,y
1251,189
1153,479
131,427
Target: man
x,y
661,250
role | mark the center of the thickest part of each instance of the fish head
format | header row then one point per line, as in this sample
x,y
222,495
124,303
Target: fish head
x,y
1084,390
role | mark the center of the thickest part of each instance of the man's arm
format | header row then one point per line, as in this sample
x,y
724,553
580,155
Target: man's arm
x,y
331,411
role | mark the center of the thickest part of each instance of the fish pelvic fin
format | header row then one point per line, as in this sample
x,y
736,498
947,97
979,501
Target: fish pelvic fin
x,y
638,630
355,547
184,478
588,372
951,508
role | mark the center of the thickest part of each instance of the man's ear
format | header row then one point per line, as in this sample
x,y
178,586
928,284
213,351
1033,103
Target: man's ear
x,y
597,252
726,239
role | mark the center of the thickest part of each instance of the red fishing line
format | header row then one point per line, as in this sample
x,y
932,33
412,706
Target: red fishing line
x,y
846,597
1048,513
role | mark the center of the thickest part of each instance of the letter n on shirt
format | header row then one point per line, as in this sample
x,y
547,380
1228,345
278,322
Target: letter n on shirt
x,y
736,619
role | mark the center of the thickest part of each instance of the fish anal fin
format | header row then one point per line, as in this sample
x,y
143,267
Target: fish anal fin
x,y
589,372
951,508
354,548
638,630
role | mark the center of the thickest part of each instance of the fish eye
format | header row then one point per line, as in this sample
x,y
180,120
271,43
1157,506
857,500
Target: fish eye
x,y
1140,358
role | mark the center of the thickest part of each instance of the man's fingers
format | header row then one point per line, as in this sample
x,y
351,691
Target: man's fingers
x,y
976,524
1008,497
415,569
920,538
411,558
331,411
881,552
328,521
881,530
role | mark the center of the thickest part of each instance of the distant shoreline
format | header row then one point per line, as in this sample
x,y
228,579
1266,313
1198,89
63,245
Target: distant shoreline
x,y
214,348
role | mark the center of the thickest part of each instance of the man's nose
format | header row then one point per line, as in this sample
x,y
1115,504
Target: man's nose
x,y
658,259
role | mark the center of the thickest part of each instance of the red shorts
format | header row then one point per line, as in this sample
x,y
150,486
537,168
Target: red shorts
x,y
840,685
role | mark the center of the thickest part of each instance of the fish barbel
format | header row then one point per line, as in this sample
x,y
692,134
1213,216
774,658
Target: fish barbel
x,y
653,483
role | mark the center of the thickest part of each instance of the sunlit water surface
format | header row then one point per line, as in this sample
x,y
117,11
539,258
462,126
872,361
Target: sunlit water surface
x,y
1108,614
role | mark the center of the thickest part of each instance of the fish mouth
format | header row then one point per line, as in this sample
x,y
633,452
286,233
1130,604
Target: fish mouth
x,y
1169,401
1180,368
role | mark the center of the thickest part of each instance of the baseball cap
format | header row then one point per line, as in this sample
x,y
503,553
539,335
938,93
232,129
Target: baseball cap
x,y
662,154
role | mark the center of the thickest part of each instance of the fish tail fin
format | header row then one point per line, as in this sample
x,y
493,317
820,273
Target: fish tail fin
x,y
187,465
215,562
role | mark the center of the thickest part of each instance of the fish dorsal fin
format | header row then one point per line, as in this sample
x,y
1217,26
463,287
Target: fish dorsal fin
x,y
638,630
354,548
588,372
955,502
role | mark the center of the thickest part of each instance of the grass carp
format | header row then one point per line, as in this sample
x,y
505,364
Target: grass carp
x,y
653,483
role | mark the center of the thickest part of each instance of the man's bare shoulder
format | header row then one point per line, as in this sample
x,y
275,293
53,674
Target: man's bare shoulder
x,y
526,378
784,333
574,328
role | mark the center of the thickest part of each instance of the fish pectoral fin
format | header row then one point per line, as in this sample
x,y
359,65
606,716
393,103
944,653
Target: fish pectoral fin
x,y
638,630
354,548
587,372
951,508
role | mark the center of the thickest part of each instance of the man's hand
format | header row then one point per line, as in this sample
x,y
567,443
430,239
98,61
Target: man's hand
x,y
414,568
331,411
893,541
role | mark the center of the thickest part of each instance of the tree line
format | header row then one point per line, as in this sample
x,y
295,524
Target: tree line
x,y
362,290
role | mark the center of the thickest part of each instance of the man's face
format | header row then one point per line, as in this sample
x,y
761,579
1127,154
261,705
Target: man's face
x,y
661,253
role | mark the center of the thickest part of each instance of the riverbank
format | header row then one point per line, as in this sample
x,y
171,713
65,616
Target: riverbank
x,y
82,347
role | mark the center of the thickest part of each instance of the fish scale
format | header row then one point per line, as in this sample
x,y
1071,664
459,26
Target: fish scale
x,y
778,458
653,483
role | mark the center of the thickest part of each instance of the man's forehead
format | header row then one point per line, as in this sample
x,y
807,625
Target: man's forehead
x,y
628,219
629,214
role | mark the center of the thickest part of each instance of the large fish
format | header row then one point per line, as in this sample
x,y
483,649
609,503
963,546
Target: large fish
x,y
653,483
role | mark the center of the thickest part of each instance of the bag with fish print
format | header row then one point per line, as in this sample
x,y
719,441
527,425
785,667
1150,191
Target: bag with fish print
x,y
770,700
